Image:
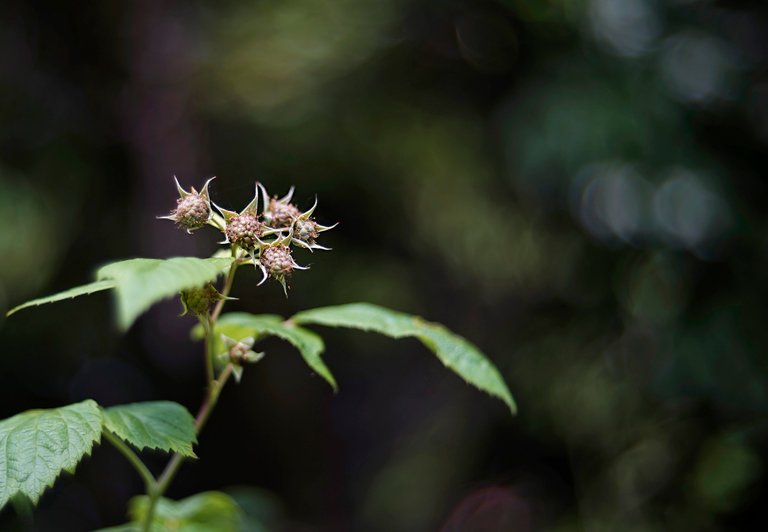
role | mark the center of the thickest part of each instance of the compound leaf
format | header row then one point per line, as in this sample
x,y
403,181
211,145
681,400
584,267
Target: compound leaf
x,y
162,425
37,445
453,351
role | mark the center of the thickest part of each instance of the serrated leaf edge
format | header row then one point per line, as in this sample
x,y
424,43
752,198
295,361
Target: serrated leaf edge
x,y
71,470
86,289
186,449
420,330
274,325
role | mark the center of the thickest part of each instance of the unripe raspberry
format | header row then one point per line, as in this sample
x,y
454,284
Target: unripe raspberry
x,y
199,301
193,208
277,261
306,230
244,230
192,212
280,214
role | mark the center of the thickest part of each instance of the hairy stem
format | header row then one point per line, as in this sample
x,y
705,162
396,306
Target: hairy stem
x,y
156,489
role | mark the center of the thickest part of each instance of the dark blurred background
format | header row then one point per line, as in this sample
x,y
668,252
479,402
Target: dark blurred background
x,y
578,186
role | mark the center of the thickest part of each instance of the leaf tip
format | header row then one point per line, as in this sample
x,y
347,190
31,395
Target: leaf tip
x,y
190,454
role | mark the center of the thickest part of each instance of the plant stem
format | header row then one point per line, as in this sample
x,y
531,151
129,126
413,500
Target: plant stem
x,y
157,488
149,479
225,291
164,480
202,416
207,407
208,328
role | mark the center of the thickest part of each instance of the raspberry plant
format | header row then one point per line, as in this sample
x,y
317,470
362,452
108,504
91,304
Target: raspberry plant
x,y
38,445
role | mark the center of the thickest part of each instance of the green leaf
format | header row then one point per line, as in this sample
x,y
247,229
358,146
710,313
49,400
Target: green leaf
x,y
363,316
37,445
162,425
235,330
140,283
454,352
203,512
127,527
232,325
238,325
66,294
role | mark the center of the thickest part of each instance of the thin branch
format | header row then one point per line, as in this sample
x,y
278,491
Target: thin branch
x,y
133,458
202,417
225,291
215,385
209,373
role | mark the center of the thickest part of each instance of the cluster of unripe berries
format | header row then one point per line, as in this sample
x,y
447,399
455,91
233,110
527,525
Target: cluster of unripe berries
x,y
265,238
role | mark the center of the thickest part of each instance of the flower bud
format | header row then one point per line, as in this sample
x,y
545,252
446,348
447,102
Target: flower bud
x,y
239,353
